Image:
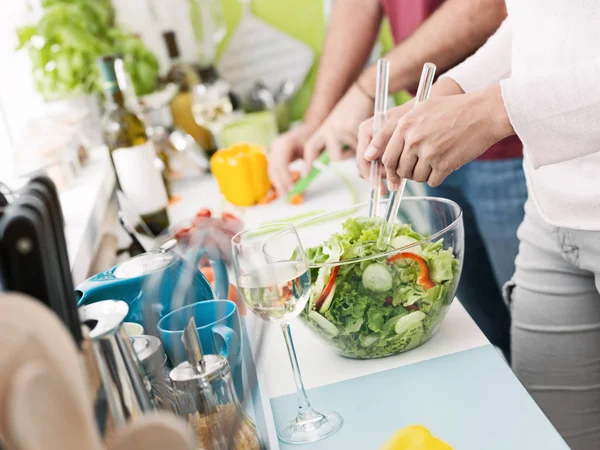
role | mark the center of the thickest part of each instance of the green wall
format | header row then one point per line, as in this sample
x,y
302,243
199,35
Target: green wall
x,y
302,19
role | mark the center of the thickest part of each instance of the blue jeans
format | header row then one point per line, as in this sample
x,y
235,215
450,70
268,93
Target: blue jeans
x,y
492,195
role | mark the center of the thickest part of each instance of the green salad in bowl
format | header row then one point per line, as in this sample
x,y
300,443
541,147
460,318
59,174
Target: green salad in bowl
x,y
369,303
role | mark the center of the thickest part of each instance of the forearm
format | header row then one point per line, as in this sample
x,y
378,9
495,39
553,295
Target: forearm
x,y
352,33
456,30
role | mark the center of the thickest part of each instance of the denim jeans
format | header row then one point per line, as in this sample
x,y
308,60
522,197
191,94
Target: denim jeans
x,y
492,195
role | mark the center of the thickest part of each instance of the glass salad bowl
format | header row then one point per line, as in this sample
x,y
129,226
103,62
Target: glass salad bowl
x,y
368,302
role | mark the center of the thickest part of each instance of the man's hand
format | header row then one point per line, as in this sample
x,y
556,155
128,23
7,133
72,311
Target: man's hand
x,y
340,128
440,135
284,150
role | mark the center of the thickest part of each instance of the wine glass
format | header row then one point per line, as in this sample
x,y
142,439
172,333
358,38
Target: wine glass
x,y
211,105
273,278
209,27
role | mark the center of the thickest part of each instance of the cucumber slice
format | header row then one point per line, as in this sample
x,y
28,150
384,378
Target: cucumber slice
x,y
368,340
377,278
325,324
405,241
327,303
408,321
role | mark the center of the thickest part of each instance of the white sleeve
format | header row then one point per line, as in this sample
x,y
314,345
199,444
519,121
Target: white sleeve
x,y
490,64
557,113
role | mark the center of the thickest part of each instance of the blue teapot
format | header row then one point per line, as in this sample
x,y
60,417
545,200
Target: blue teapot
x,y
155,283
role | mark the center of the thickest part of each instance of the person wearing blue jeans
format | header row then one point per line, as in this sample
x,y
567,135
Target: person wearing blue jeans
x,y
492,194
444,32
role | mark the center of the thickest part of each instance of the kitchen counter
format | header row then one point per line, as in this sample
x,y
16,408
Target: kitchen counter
x,y
456,384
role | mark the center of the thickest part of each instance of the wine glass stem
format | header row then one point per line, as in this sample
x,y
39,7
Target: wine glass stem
x,y
303,402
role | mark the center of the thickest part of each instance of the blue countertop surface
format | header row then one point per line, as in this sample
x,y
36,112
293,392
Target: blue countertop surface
x,y
469,399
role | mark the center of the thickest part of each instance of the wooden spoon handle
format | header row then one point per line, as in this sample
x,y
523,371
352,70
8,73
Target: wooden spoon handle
x,y
157,431
43,412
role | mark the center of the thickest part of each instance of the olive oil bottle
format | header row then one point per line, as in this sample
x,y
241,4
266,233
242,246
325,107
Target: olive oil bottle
x,y
132,154
186,76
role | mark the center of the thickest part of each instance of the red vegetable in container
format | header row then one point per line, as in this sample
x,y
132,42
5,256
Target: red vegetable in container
x,y
423,279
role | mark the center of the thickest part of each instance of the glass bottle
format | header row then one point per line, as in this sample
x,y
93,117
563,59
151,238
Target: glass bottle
x,y
185,76
132,154
162,161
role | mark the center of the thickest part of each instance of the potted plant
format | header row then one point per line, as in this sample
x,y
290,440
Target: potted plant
x,y
66,41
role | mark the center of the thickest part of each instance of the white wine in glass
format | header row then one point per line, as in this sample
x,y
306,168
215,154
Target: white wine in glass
x,y
277,292
273,278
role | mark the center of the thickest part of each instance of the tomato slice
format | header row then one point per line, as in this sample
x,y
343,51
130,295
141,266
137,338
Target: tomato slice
x,y
228,216
423,279
182,233
328,288
286,293
204,212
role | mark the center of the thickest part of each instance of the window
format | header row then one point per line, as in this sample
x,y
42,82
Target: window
x,y
18,101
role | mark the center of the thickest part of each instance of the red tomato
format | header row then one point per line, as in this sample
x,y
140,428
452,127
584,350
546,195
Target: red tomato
x,y
228,216
204,212
182,233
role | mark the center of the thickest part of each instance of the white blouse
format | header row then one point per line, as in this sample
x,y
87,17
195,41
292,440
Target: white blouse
x,y
546,56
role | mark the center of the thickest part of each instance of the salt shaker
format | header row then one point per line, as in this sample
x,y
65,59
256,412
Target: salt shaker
x,y
217,418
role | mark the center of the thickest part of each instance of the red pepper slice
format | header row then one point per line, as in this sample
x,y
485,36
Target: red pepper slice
x,y
204,212
328,288
423,279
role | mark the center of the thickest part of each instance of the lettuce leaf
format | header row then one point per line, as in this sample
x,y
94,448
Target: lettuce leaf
x,y
367,320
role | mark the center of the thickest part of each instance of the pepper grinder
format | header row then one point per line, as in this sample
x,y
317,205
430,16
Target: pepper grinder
x,y
217,418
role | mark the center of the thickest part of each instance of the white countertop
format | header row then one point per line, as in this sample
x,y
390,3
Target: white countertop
x,y
84,206
319,363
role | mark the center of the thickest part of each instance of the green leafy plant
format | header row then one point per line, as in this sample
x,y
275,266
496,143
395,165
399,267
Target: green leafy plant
x,y
68,38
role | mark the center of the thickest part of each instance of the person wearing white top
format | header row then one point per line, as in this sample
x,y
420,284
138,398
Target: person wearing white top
x,y
538,77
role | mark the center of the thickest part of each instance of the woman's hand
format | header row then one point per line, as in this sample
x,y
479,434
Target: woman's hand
x,y
444,87
440,135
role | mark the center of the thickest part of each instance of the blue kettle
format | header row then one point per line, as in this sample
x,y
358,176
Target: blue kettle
x,y
155,283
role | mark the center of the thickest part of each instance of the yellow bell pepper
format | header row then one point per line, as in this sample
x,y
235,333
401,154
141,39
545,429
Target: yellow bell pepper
x,y
414,437
241,171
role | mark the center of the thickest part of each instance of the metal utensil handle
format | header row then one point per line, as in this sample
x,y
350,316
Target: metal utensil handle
x,y
391,212
381,94
193,349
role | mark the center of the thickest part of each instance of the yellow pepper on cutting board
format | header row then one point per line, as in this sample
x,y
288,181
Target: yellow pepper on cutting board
x,y
414,437
241,171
